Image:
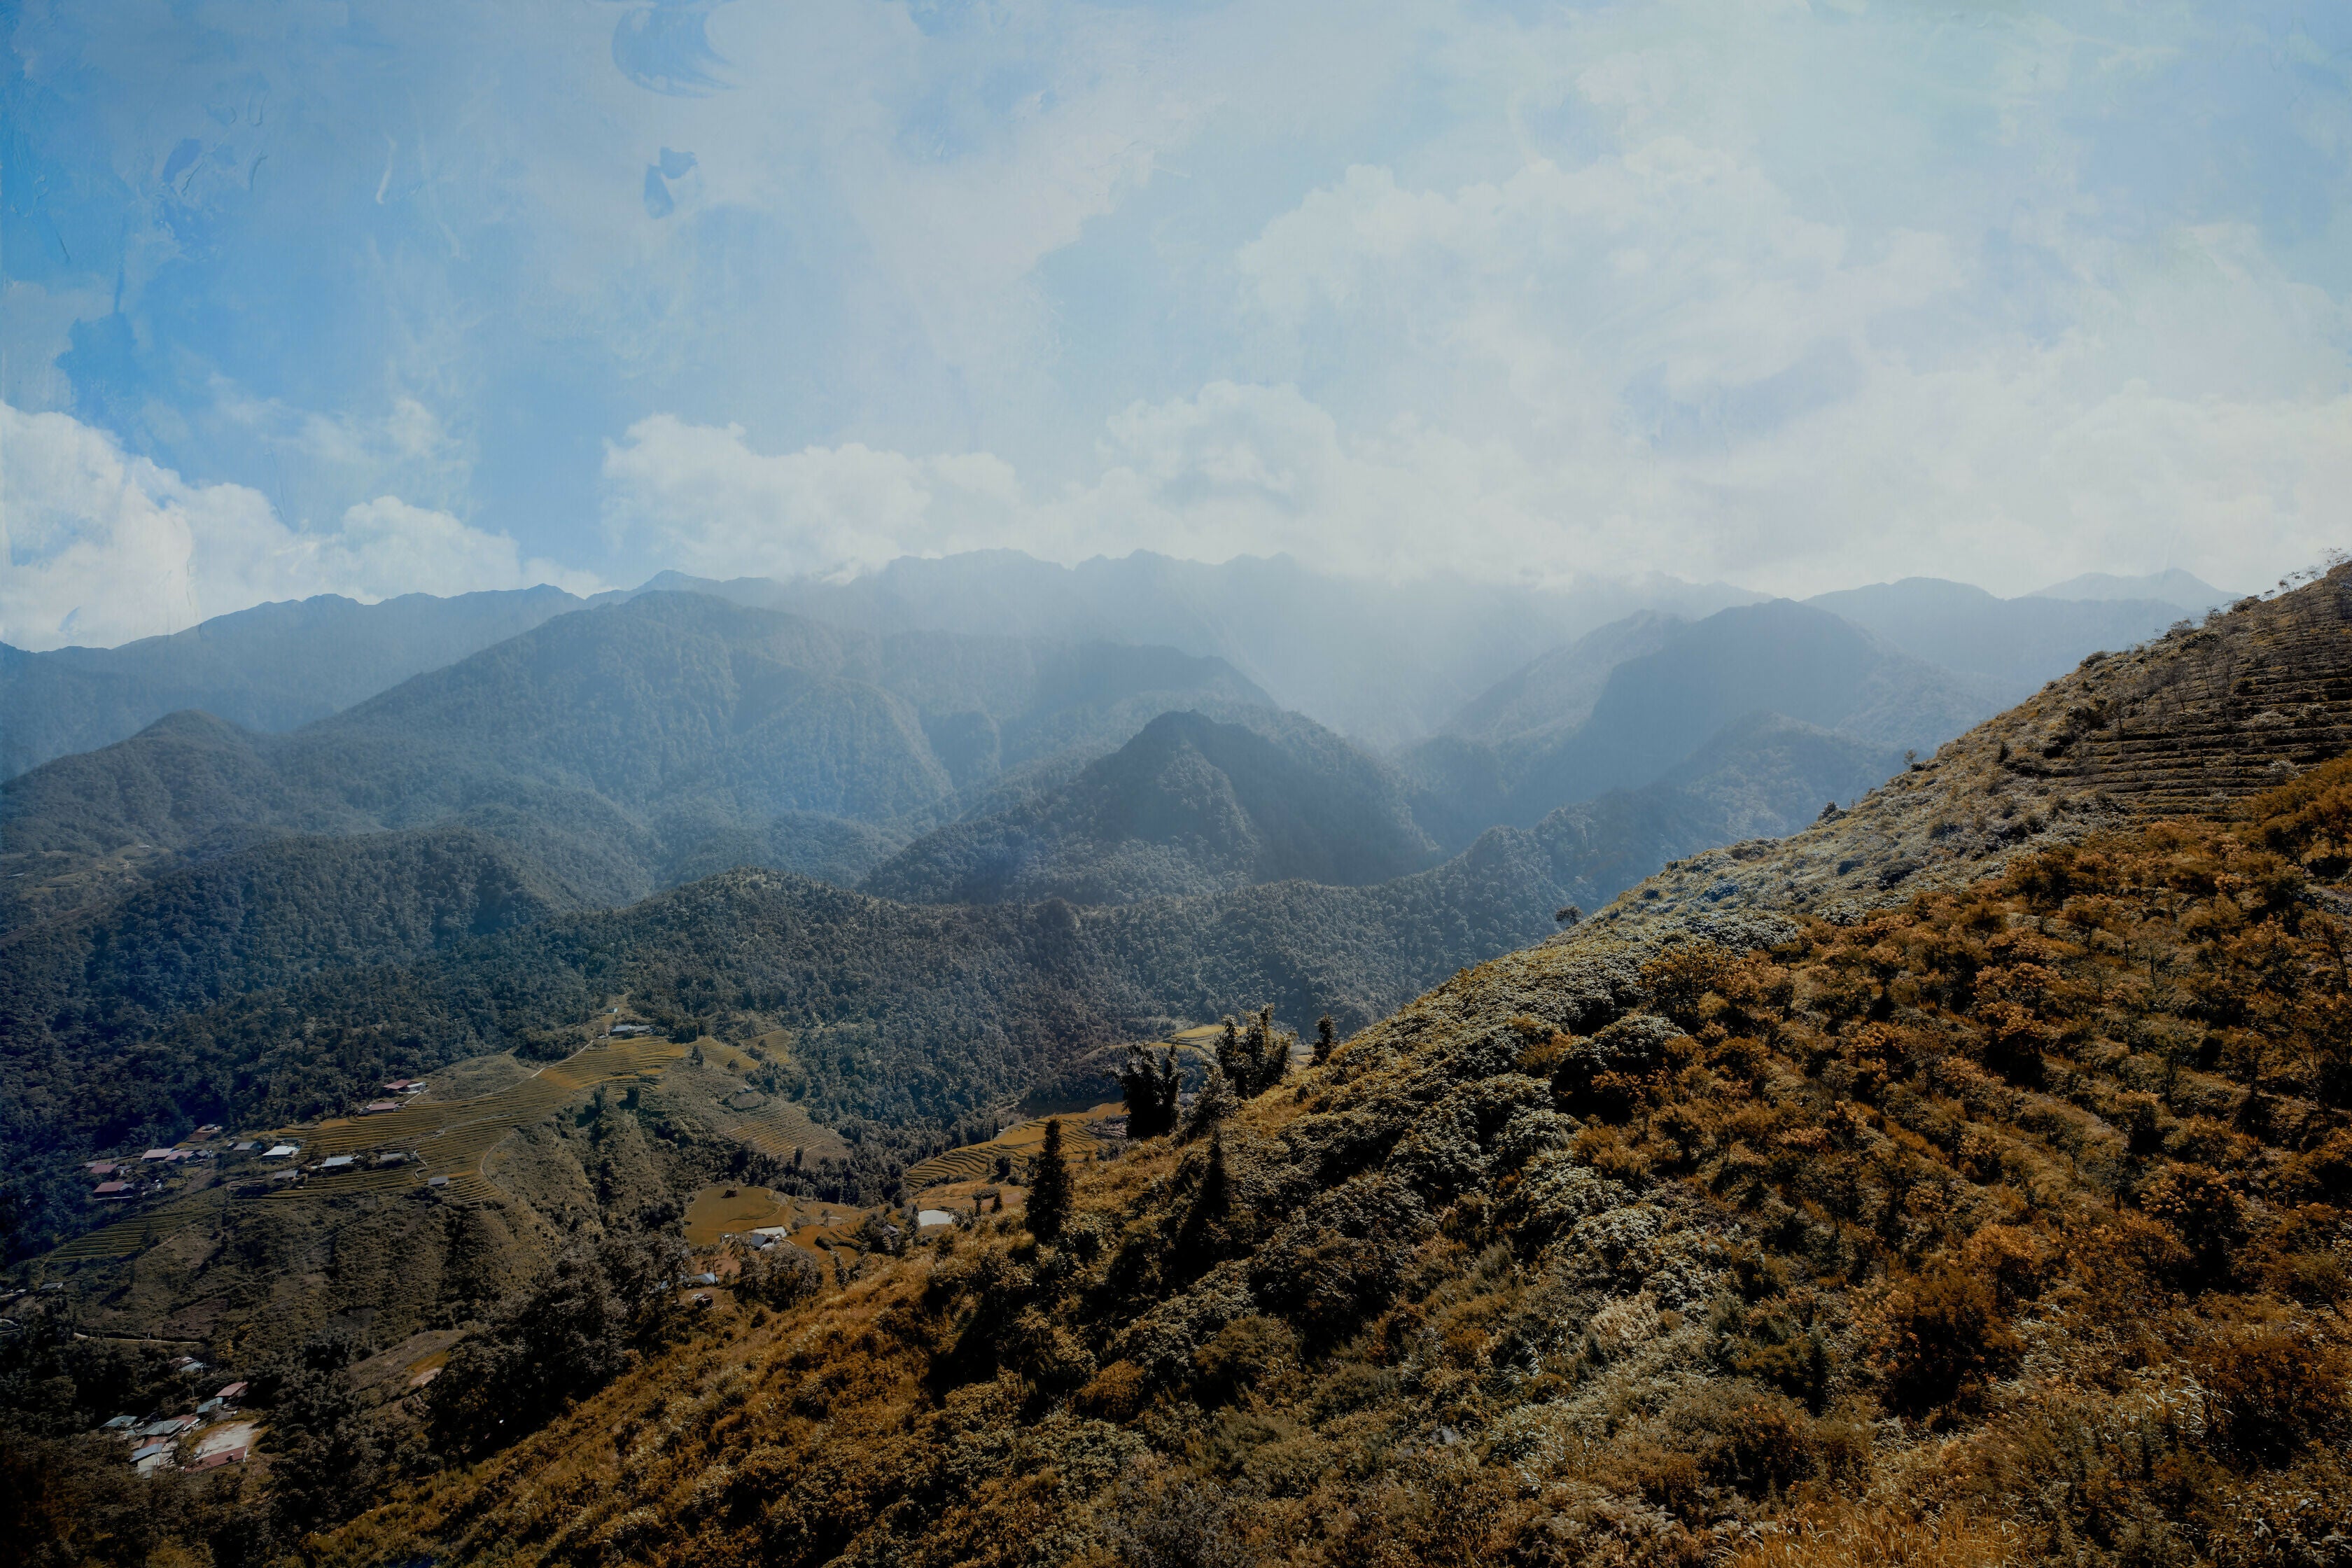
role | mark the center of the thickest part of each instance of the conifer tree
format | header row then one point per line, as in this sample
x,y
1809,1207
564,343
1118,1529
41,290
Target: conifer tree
x,y
1326,1039
1150,1089
1270,1062
1230,1055
1212,1106
1049,1186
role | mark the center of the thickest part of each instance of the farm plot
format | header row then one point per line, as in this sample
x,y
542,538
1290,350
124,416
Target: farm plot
x,y
135,1233
450,1138
977,1162
732,1109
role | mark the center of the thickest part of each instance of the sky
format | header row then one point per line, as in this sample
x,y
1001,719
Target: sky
x,y
382,296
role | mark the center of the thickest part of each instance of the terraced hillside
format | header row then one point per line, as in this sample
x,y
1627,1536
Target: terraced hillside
x,y
1018,1144
2186,723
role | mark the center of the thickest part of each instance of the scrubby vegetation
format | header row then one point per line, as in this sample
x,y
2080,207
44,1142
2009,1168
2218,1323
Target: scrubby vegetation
x,y
2000,1227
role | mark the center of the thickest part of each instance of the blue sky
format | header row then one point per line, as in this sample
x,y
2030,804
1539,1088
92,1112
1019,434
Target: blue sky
x,y
368,297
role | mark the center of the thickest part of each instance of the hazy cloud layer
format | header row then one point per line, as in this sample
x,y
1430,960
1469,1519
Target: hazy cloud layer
x,y
1795,295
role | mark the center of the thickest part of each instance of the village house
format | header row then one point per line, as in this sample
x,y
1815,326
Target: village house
x,y
112,1190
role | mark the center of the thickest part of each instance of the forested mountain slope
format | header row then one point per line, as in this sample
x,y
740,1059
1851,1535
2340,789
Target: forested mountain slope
x,y
1190,805
1995,1223
281,981
624,747
271,668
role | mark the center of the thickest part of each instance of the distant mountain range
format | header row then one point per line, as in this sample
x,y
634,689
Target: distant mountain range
x,y
621,749
274,666
1300,635
2015,645
1569,728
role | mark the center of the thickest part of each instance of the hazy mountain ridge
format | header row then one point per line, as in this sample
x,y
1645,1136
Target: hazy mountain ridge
x,y
2015,645
1650,712
627,745
2204,715
1305,635
271,668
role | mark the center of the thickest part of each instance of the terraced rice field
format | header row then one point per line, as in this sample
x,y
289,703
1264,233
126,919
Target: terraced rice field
x,y
977,1162
135,1233
773,1126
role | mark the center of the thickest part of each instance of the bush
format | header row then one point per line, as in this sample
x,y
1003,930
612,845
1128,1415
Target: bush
x,y
2197,1205
2274,1390
1945,1338
1248,1353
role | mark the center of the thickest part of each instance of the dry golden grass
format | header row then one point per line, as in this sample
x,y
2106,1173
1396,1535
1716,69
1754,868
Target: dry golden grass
x,y
1882,1538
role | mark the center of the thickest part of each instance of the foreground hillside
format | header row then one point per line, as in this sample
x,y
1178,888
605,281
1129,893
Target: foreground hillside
x,y
1997,1226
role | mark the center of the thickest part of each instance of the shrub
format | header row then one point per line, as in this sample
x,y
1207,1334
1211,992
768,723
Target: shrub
x,y
2199,1207
1248,1353
1945,1338
2273,1390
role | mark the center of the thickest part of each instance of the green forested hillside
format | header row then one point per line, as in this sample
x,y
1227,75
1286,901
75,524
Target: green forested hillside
x,y
1189,805
623,748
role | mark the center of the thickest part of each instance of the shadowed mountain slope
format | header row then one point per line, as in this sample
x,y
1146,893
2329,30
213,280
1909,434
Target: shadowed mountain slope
x,y
1556,693
271,668
1190,805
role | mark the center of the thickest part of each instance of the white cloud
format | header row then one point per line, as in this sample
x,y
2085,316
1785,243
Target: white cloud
x,y
702,498
97,547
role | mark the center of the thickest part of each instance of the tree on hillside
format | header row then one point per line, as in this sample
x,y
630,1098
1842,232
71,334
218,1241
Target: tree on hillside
x,y
1326,1039
1268,1052
1049,1186
1211,1106
1151,1088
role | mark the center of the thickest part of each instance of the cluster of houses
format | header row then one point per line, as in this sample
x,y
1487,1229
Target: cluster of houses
x,y
119,1180
215,1434
399,1089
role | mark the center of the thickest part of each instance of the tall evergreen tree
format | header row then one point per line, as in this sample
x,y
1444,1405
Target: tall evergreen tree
x,y
1326,1039
1270,1053
1151,1089
1230,1056
1211,1106
1049,1186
